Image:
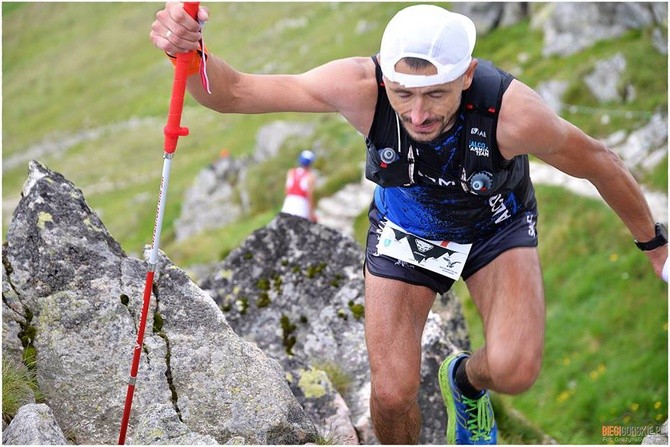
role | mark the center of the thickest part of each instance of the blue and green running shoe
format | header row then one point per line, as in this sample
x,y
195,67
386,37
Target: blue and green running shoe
x,y
469,421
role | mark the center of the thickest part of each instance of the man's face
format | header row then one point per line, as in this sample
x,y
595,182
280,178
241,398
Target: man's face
x,y
427,112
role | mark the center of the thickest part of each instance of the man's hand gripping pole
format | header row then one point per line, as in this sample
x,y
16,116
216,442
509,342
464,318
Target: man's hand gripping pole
x,y
173,129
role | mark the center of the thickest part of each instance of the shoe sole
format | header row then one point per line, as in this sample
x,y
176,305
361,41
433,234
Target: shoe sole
x,y
445,388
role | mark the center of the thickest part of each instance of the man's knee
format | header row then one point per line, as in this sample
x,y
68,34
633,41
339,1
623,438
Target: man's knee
x,y
514,374
394,398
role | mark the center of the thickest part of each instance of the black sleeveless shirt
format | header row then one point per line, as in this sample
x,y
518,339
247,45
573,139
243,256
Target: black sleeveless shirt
x,y
436,206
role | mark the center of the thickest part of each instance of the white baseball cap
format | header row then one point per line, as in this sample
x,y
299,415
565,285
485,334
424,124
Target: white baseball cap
x,y
443,38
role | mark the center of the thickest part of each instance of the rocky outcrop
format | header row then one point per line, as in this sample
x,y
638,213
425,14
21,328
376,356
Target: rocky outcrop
x,y
341,209
490,15
271,137
644,148
34,424
296,289
70,284
570,27
659,438
573,26
604,81
293,291
214,198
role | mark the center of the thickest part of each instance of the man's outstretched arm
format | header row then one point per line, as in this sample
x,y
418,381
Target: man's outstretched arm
x,y
346,86
529,126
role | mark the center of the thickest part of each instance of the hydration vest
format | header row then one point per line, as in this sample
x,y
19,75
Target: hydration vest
x,y
484,171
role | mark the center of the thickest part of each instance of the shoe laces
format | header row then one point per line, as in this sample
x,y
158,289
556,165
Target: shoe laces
x,y
480,418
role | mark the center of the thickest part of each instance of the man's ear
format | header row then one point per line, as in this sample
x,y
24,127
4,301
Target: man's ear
x,y
469,74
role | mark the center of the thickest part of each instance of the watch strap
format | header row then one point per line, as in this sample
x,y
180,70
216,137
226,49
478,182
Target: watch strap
x,y
659,240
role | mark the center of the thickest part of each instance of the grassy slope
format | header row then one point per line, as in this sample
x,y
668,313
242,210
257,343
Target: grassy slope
x,y
89,65
74,66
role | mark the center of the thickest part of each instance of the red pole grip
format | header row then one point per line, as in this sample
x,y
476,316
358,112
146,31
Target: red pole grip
x,y
173,129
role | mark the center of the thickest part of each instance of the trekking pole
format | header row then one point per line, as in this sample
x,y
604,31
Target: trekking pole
x,y
172,132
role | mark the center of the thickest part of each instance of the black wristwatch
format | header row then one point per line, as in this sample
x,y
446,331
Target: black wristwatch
x,y
659,240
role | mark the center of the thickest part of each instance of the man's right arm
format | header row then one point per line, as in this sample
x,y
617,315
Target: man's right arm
x,y
346,86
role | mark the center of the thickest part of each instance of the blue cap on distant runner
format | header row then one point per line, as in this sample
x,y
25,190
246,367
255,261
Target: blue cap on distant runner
x,y
306,158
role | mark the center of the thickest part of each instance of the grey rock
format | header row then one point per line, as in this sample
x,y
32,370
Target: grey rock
x,y
604,81
660,39
226,386
213,200
571,27
488,16
296,289
13,321
217,196
660,438
293,290
324,403
85,296
271,137
34,424
161,425
340,210
643,149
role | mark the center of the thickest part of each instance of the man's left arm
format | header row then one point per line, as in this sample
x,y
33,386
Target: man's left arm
x,y
528,125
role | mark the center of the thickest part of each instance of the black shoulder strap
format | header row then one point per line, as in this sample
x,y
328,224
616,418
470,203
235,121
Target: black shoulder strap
x,y
485,94
483,166
378,72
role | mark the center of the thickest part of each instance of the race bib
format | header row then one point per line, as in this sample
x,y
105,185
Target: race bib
x,y
443,257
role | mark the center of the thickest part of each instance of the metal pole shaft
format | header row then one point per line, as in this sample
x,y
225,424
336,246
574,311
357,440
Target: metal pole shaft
x,y
160,210
148,285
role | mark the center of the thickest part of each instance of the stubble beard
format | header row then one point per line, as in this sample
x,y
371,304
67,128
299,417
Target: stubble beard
x,y
421,137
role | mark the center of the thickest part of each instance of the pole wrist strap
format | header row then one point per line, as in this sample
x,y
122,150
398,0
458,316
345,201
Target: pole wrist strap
x,y
198,64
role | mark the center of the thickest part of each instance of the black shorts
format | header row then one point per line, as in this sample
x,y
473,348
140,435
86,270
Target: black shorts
x,y
520,232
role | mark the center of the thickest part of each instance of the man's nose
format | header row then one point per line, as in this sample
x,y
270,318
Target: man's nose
x,y
419,113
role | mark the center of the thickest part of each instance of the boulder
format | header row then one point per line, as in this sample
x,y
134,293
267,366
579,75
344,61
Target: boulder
x,y
82,296
658,438
296,289
293,291
605,79
488,16
34,424
272,136
571,27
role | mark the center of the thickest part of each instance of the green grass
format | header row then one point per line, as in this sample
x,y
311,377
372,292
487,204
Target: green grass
x,y
339,378
214,245
19,387
658,177
75,67
105,83
606,345
528,64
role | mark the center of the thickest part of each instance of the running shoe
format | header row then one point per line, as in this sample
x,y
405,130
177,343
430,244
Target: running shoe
x,y
469,421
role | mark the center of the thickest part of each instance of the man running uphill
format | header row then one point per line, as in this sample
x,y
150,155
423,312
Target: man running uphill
x,y
440,178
